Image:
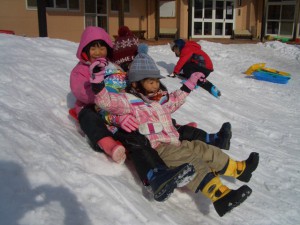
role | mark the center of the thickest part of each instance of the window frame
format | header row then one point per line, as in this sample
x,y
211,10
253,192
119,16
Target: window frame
x,y
163,13
55,8
117,10
280,20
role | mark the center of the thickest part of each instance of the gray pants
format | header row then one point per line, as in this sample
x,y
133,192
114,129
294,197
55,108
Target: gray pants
x,y
205,158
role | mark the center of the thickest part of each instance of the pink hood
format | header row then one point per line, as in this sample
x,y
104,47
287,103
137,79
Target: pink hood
x,y
80,76
92,34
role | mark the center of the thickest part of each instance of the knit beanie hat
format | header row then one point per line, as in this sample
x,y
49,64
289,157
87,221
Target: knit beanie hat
x,y
179,43
125,49
143,66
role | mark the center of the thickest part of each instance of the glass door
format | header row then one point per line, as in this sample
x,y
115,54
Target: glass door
x,y
96,13
212,18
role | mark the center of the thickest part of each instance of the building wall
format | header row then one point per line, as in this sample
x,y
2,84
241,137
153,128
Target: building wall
x,y
248,16
183,19
63,25
14,16
69,25
135,20
151,19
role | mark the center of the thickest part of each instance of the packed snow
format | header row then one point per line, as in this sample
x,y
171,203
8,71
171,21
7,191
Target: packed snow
x,y
50,175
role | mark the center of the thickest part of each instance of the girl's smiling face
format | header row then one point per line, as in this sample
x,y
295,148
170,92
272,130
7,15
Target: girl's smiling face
x,y
97,51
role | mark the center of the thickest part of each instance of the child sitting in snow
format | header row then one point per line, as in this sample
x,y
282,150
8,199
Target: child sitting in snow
x,y
149,102
95,42
193,59
124,51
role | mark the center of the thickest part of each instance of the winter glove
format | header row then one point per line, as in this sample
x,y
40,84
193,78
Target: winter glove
x,y
191,83
215,92
127,122
172,75
97,70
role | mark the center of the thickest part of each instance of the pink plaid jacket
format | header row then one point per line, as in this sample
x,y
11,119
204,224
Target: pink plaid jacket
x,y
125,103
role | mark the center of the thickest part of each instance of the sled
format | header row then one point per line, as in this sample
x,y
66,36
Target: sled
x,y
254,68
73,114
261,66
270,70
74,117
271,77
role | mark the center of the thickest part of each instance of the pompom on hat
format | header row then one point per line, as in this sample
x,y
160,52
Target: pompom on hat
x,y
143,66
124,31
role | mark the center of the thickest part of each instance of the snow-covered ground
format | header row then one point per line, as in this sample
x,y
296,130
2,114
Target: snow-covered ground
x,y
50,175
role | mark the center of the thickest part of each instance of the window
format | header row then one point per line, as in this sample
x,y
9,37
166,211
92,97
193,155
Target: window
x,y
96,13
280,17
114,6
167,8
56,4
198,9
31,3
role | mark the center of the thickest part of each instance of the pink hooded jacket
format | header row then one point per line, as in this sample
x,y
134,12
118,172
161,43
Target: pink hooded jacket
x,y
80,76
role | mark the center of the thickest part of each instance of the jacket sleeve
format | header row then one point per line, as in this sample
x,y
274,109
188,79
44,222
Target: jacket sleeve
x,y
176,99
112,102
81,87
184,57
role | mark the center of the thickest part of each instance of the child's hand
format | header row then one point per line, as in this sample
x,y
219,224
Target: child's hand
x,y
127,122
97,70
193,80
172,75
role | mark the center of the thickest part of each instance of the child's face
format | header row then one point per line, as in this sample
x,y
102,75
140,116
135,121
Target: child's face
x,y
176,51
151,85
97,51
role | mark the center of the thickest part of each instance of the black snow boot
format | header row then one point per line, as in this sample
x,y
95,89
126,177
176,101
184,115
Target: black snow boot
x,y
223,198
223,136
241,170
233,199
163,181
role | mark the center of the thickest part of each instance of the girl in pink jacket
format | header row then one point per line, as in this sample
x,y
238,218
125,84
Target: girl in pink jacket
x,y
152,107
95,43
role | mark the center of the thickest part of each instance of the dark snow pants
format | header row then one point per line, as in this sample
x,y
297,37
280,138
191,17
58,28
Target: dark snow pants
x,y
93,125
143,156
139,150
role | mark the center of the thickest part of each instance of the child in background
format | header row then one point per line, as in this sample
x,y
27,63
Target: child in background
x,y
148,100
193,59
96,43
125,48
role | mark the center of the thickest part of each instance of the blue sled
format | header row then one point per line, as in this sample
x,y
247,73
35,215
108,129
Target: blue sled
x,y
271,77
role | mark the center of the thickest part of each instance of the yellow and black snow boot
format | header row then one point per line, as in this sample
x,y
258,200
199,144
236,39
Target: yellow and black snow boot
x,y
242,170
223,198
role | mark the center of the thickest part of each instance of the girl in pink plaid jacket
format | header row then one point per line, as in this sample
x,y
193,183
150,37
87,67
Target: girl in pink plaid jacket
x,y
148,101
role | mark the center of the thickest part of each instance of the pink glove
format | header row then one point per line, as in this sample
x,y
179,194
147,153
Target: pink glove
x,y
97,70
192,81
127,122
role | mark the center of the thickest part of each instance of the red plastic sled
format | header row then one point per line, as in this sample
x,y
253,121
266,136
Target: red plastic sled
x,y
73,114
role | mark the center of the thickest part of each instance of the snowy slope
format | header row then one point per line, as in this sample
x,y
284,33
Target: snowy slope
x,y
50,175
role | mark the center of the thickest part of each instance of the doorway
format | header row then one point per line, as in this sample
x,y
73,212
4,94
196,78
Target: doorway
x,y
212,18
